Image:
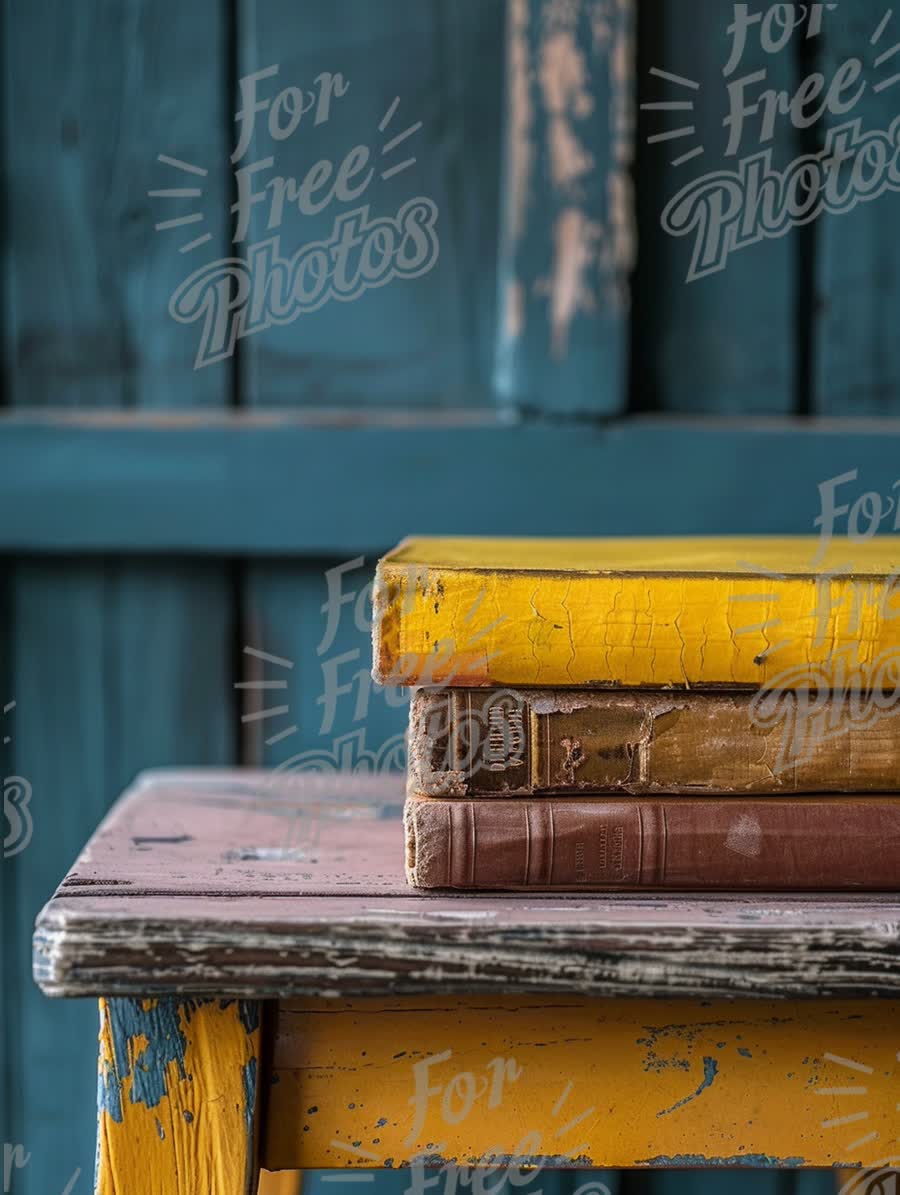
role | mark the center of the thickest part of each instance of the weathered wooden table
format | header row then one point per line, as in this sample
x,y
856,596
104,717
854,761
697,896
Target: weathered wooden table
x,y
273,994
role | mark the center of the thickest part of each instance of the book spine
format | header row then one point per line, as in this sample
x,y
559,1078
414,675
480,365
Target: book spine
x,y
478,628
805,843
490,743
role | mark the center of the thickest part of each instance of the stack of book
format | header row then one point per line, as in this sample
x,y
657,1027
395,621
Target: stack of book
x,y
620,714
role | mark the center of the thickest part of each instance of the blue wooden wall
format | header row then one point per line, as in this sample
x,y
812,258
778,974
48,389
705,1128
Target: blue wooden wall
x,y
552,372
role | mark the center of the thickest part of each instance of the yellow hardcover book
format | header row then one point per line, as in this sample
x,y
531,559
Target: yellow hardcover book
x,y
749,611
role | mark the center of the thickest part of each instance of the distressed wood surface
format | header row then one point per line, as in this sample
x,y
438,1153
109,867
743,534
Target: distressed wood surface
x,y
245,883
282,1182
567,1082
233,485
178,1094
857,262
568,240
726,342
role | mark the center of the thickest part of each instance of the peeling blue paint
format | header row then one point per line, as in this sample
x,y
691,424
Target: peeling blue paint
x,y
166,1043
750,1161
744,1052
161,1027
109,1091
248,1075
710,1070
248,1012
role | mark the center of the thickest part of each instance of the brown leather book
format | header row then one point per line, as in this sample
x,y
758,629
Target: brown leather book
x,y
531,742
607,843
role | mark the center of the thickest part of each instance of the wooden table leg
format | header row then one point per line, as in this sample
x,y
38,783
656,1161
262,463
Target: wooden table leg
x,y
177,1097
280,1182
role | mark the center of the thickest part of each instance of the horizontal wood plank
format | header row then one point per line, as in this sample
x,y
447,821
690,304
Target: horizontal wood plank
x,y
246,884
269,484
535,1082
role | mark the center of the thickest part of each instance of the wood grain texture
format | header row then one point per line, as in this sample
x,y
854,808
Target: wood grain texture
x,y
422,341
857,281
724,343
239,884
178,1094
233,485
567,238
571,1082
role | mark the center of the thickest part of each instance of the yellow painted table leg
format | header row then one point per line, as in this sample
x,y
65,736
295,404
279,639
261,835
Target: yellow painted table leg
x,y
281,1182
557,1081
178,1097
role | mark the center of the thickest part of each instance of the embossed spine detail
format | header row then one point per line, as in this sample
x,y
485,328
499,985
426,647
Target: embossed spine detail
x,y
797,843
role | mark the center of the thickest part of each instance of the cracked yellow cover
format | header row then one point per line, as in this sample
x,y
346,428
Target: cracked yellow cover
x,y
746,611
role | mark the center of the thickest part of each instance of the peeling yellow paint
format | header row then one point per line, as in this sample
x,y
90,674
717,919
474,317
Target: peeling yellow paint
x,y
177,1110
369,1083
636,612
284,1182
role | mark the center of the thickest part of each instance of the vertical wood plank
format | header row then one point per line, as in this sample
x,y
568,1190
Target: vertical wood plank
x,y
421,66
315,616
177,1096
117,666
857,350
567,243
725,342
9,954
99,94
